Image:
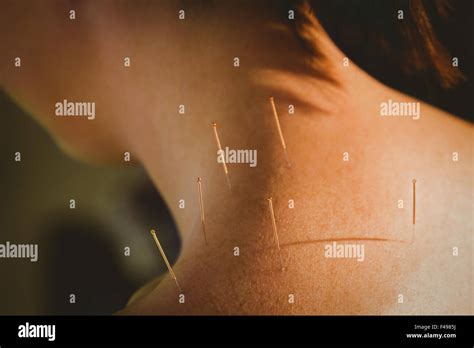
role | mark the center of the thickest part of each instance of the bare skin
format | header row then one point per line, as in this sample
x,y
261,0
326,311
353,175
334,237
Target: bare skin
x,y
191,63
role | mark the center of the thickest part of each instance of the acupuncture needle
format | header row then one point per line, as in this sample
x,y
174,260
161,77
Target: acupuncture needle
x,y
413,211
170,269
219,147
275,232
201,208
280,133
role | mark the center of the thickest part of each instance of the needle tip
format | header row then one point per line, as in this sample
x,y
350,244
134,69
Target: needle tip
x,y
214,124
413,181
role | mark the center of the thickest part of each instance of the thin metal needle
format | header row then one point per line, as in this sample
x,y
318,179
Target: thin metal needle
x,y
170,269
414,211
201,207
218,142
280,133
272,214
414,201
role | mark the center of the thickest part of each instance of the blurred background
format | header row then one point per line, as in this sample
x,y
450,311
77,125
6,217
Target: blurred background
x,y
82,250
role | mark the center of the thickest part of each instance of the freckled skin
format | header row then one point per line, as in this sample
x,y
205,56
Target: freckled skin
x,y
136,111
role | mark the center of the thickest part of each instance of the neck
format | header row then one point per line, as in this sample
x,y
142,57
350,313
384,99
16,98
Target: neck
x,y
177,148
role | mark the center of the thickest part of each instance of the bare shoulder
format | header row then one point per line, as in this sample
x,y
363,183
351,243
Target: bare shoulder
x,y
449,129
442,278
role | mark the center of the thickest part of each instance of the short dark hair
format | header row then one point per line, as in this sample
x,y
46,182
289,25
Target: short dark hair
x,y
410,43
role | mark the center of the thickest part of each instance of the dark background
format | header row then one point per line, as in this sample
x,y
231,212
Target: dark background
x,y
356,26
81,251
